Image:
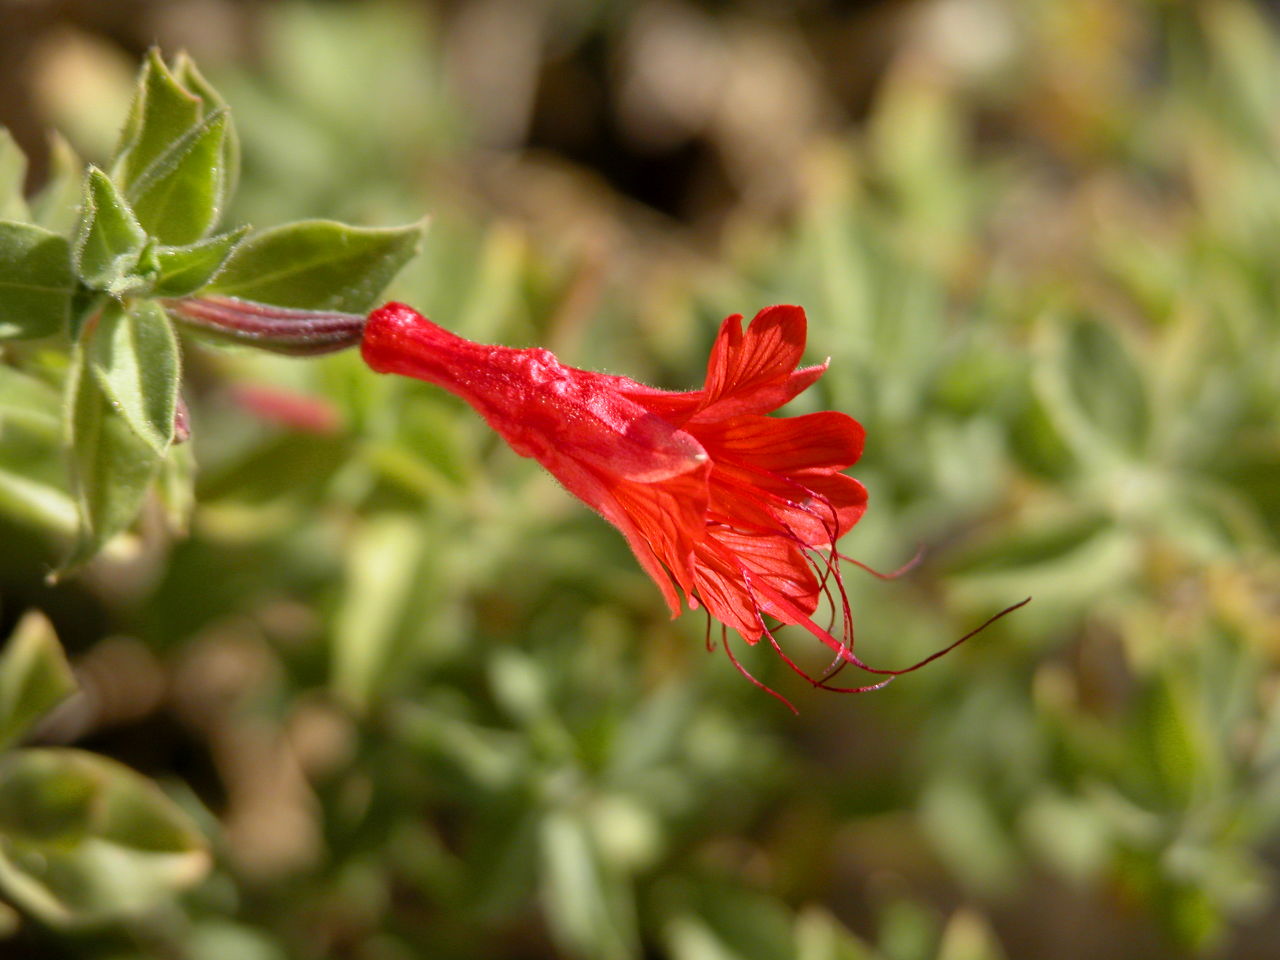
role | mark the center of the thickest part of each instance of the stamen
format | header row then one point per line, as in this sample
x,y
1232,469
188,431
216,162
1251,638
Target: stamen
x,y
894,574
746,673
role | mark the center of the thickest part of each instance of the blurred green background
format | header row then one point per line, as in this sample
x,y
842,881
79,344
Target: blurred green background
x,y
424,704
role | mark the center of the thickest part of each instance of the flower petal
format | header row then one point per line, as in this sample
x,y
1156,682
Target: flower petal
x,y
826,441
751,372
812,508
769,350
659,521
732,570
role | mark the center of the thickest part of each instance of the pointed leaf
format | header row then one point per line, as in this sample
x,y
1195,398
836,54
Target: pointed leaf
x,y
32,467
134,355
178,198
382,566
161,114
184,270
111,465
84,839
35,281
13,175
589,911
724,921
969,937
318,265
184,68
34,676
109,240
57,206
820,936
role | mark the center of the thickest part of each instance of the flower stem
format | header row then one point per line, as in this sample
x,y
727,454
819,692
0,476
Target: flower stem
x,y
277,329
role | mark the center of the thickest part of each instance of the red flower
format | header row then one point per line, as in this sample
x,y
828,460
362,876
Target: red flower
x,y
739,511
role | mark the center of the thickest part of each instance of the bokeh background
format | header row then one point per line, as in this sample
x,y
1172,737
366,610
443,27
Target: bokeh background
x,y
425,705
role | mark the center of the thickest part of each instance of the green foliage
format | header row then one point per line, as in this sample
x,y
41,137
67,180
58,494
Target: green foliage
x,y
182,271
34,677
82,838
35,281
109,240
140,233
317,264
434,708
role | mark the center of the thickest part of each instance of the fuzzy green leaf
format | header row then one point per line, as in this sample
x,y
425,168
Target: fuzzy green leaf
x,y
34,676
178,198
162,113
32,468
111,465
84,839
13,175
186,269
134,355
109,240
191,78
318,265
35,281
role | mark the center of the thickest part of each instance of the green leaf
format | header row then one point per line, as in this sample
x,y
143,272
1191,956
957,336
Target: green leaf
x,y
382,571
57,206
35,281
111,465
184,68
1171,738
13,175
28,401
109,240
32,467
318,265
589,910
34,676
134,355
186,269
1092,390
706,920
178,198
36,502
84,839
162,113
820,936
1107,384
969,937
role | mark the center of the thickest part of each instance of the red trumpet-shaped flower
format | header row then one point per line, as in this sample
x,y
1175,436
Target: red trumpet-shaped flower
x,y
738,510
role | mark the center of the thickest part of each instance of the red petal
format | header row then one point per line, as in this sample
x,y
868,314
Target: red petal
x,y
815,508
658,520
769,350
732,569
747,373
827,441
